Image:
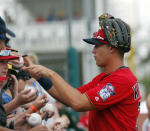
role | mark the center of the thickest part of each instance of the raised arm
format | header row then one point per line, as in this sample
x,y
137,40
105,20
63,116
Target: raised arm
x,y
61,90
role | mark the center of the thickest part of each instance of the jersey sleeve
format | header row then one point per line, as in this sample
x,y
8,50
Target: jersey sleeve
x,y
86,87
109,92
91,84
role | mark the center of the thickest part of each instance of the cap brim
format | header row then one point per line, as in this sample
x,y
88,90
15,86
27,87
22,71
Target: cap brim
x,y
93,41
9,32
8,57
11,49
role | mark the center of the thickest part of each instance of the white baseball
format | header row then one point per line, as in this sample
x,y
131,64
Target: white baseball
x,y
48,107
32,89
34,119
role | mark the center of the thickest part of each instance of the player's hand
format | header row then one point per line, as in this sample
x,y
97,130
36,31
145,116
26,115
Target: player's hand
x,y
38,70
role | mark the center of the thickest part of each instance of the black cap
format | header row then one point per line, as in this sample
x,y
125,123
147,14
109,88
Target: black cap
x,y
93,41
4,29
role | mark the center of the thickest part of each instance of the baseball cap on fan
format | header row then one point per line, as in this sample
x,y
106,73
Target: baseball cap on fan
x,y
4,29
98,38
7,55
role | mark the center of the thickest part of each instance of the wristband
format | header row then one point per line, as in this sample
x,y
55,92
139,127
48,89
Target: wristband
x,y
33,108
45,83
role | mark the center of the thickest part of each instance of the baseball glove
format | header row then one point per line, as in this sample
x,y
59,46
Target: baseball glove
x,y
116,31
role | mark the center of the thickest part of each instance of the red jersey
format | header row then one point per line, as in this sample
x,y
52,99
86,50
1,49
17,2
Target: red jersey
x,y
116,99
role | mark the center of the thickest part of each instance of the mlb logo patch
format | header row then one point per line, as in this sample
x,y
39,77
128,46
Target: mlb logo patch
x,y
106,92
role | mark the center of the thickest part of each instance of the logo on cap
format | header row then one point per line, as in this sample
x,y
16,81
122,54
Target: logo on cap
x,y
99,35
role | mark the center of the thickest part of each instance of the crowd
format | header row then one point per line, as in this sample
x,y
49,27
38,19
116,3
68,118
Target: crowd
x,y
21,96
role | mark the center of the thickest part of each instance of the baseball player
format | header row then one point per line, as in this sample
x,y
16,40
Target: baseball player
x,y
112,97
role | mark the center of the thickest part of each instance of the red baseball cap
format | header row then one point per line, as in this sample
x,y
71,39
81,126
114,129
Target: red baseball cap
x,y
98,38
6,55
3,78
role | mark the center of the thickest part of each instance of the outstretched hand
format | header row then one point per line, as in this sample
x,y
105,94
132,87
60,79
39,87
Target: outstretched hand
x,y
41,101
24,97
38,71
20,123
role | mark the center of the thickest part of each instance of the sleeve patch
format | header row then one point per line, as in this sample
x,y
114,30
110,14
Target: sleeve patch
x,y
106,92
